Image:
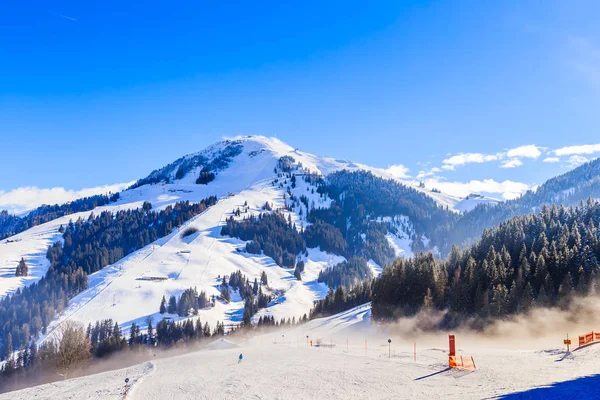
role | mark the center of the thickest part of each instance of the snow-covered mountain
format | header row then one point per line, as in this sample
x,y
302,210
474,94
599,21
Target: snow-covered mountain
x,y
472,201
240,172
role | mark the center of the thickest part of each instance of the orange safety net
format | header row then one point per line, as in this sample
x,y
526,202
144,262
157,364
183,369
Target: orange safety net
x,y
462,362
589,338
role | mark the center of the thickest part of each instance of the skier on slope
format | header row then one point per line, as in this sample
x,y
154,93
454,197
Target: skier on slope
x,y
240,358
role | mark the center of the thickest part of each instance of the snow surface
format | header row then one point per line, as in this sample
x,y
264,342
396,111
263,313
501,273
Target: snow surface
x,y
353,361
472,201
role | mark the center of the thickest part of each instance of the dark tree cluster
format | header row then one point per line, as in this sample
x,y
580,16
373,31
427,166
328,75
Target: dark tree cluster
x,y
252,293
326,236
22,269
88,246
205,177
342,299
189,303
11,225
299,270
535,260
169,332
269,233
105,338
286,163
347,273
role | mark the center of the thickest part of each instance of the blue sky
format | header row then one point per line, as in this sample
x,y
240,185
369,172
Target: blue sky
x,y
95,93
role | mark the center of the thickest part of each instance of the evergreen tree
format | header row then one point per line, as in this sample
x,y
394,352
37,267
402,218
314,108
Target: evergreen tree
x,y
163,305
172,308
22,269
263,279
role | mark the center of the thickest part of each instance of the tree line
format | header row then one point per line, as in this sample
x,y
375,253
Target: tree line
x,y
11,224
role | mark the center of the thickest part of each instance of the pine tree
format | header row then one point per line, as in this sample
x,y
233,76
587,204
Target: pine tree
x,y
263,279
163,305
22,269
116,333
133,334
172,308
150,328
499,302
225,293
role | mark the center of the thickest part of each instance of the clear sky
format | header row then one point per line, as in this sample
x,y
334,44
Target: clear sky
x,y
103,92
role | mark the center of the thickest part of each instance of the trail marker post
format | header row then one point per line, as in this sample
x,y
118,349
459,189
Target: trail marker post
x,y
307,341
389,348
126,388
567,341
415,350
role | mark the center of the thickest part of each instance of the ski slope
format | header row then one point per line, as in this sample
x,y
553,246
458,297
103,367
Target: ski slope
x,y
282,365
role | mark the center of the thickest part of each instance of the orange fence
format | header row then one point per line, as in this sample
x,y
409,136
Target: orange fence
x,y
462,362
589,338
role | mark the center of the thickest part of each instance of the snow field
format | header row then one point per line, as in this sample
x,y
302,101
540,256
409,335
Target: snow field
x,y
280,365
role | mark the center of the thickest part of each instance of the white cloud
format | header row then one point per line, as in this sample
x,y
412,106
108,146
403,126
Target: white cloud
x,y
431,172
398,171
511,163
27,198
507,189
581,149
514,155
467,158
551,160
576,160
527,151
